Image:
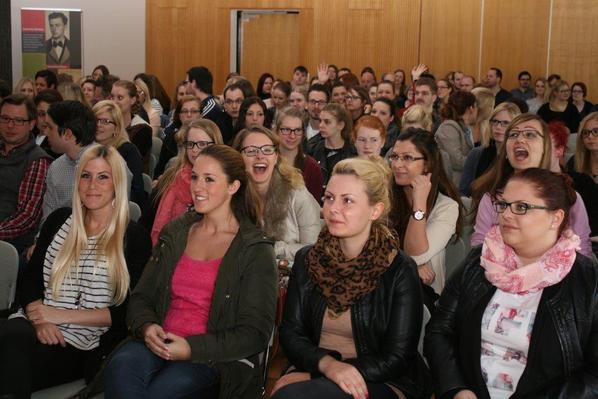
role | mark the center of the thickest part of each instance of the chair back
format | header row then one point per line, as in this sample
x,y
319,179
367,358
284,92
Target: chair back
x,y
9,267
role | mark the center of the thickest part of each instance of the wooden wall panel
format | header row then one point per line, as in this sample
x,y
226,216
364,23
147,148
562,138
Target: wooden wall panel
x,y
269,44
574,43
450,36
515,38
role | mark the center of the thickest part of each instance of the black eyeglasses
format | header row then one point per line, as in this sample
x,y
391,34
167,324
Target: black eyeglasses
x,y
252,150
585,133
16,121
287,131
499,122
528,135
517,207
405,158
199,144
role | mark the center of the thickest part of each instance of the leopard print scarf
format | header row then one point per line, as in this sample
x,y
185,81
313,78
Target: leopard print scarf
x,y
344,282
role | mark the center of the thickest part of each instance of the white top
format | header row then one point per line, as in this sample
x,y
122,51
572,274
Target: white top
x,y
86,288
506,332
310,132
440,227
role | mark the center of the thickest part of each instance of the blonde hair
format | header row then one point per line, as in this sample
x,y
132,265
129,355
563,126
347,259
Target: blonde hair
x,y
484,99
181,160
512,109
147,103
582,154
71,91
120,136
554,89
417,114
20,83
110,242
375,173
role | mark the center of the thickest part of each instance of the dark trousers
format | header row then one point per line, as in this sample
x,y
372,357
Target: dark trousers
x,y
136,372
26,365
323,388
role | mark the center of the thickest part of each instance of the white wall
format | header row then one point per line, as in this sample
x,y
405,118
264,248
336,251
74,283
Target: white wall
x,y
113,34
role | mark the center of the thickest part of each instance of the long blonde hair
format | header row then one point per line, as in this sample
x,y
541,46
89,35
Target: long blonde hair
x,y
485,100
512,109
120,136
181,160
111,242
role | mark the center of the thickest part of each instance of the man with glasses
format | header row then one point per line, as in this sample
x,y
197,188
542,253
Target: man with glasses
x,y
23,169
524,91
317,98
233,98
71,128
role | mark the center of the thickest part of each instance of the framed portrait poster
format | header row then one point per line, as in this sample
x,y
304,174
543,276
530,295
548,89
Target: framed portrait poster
x,y
51,39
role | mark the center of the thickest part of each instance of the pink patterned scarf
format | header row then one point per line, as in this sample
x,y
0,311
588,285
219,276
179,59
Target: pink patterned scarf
x,y
504,269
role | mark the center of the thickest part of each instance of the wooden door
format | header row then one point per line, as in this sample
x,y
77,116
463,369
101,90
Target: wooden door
x,y
269,43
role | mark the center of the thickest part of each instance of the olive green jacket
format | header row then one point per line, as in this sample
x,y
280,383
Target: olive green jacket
x,y
243,305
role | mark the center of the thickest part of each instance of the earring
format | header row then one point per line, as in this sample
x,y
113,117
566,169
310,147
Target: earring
x,y
113,202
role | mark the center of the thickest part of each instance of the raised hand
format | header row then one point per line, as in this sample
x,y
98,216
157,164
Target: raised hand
x,y
323,72
417,70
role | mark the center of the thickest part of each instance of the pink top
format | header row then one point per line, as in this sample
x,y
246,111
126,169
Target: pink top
x,y
174,202
191,296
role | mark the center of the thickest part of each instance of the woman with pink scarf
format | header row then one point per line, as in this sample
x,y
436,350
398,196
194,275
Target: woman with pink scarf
x,y
520,317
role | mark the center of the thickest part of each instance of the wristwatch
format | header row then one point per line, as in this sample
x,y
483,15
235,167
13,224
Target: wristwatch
x,y
418,214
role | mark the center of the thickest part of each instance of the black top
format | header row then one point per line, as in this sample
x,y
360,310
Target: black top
x,y
570,116
132,157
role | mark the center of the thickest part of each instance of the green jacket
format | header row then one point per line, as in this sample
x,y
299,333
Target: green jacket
x,y
243,303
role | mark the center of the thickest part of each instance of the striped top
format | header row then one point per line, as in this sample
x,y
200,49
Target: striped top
x,y
87,287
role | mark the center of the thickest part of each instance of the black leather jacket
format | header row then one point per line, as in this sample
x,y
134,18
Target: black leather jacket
x,y
562,359
386,327
317,149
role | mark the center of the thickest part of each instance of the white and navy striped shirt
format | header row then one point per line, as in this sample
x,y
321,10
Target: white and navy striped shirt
x,y
86,287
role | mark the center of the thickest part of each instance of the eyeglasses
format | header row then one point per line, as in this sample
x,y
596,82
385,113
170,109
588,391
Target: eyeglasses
x,y
577,91
5,120
585,133
238,101
199,144
565,91
497,122
252,150
529,135
190,111
317,102
405,158
517,207
105,122
351,98
287,131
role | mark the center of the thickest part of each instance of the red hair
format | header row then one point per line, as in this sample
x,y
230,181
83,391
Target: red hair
x,y
370,122
559,133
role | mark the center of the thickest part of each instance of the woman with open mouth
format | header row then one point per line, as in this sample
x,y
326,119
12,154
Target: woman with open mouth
x,y
527,145
287,211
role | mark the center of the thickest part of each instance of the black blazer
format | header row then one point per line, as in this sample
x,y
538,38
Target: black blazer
x,y
563,351
386,327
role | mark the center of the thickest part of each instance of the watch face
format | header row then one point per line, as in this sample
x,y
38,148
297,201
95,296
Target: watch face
x,y
418,215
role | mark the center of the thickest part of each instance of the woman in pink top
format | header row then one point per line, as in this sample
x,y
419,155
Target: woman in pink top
x,y
173,185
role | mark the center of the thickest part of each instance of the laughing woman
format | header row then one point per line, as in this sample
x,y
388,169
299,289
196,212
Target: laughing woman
x,y
74,292
289,213
527,144
204,307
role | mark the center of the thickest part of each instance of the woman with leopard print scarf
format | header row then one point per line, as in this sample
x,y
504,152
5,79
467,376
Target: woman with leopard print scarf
x,y
353,312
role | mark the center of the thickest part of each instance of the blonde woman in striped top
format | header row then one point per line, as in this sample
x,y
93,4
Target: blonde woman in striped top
x,y
76,283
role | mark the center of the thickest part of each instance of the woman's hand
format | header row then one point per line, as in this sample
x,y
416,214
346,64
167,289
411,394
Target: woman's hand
x,y
38,313
49,334
155,339
290,378
367,109
345,376
323,72
421,186
426,273
465,394
178,347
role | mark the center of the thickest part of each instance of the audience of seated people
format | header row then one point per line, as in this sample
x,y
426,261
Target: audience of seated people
x,y
382,158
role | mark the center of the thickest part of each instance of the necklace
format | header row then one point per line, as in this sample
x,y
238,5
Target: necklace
x,y
92,248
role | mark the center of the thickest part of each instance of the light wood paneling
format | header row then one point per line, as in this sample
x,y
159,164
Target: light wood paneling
x,y
574,43
450,36
381,33
515,38
269,43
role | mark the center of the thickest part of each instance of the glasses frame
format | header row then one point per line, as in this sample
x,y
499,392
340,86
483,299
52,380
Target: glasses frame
x,y
519,132
396,157
5,120
498,207
257,149
201,144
